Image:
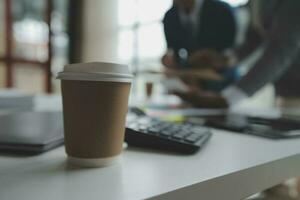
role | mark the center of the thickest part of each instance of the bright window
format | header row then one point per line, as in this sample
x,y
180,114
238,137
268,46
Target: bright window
x,y
141,37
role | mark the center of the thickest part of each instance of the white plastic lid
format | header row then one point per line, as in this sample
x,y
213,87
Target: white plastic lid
x,y
96,71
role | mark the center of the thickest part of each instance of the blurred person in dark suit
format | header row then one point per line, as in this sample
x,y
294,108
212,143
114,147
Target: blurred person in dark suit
x,y
196,31
275,26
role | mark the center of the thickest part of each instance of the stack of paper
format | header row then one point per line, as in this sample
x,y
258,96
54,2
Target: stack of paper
x,y
14,99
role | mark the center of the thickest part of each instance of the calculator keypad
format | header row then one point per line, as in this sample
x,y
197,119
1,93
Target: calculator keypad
x,y
183,132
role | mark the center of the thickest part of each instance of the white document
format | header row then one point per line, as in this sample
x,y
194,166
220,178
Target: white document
x,y
15,99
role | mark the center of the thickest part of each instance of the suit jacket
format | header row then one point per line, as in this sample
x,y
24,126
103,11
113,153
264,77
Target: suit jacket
x,y
280,62
216,29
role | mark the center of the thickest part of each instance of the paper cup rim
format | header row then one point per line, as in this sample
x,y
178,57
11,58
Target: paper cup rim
x,y
97,67
107,77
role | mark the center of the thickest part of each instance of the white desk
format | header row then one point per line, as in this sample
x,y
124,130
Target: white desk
x,y
231,166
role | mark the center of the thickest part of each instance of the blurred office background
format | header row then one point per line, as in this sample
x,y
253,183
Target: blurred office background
x,y
37,38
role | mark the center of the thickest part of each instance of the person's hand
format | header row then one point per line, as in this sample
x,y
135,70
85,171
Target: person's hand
x,y
203,99
168,60
208,58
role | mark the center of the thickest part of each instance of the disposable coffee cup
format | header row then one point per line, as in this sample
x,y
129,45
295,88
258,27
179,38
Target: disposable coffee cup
x,y
95,103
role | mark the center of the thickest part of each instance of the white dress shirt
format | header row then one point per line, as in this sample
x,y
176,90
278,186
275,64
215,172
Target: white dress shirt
x,y
234,95
192,17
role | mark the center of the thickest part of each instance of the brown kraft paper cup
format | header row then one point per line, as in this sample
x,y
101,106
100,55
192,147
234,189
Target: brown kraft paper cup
x,y
94,118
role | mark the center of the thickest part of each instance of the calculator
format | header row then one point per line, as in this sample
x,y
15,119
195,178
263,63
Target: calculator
x,y
148,132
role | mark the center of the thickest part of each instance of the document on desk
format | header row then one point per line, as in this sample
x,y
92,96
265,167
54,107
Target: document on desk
x,y
186,112
15,99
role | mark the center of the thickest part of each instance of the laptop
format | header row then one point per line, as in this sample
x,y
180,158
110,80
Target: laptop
x,y
30,132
